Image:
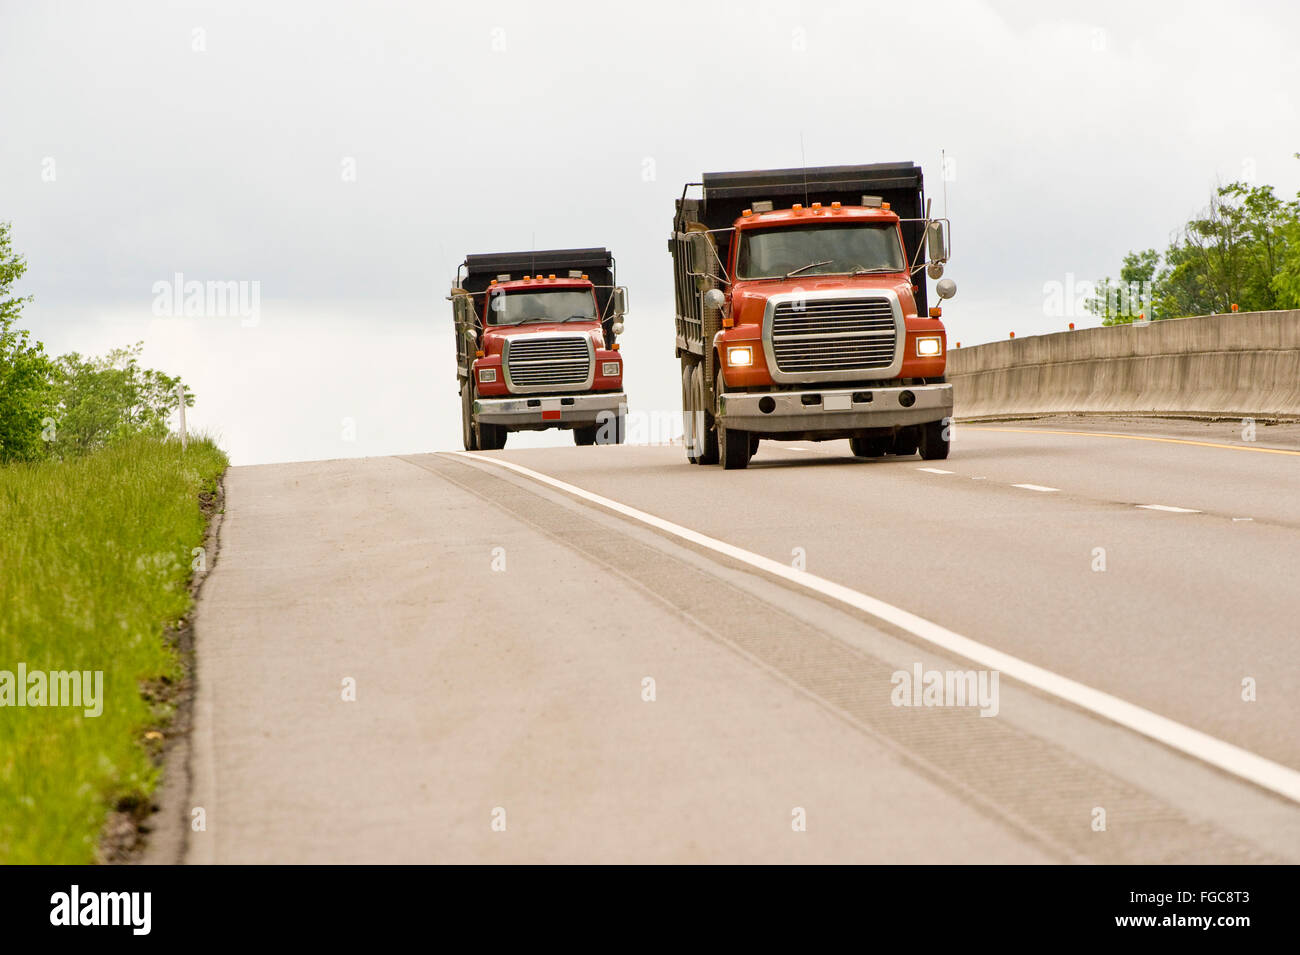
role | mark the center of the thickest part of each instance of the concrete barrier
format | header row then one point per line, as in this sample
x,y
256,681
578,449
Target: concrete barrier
x,y
1235,365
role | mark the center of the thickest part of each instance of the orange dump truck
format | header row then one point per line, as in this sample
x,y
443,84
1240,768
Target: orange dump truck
x,y
801,312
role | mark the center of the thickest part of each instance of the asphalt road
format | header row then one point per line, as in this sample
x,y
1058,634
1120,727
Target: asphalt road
x,y
501,627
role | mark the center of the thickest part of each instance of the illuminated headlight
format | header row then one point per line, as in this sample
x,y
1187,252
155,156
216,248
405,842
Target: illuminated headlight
x,y
609,369
929,347
740,356
487,375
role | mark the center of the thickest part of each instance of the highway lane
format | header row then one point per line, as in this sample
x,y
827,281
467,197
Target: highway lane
x,y
1188,606
486,687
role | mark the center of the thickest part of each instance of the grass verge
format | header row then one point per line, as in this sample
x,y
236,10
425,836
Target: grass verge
x,y
96,554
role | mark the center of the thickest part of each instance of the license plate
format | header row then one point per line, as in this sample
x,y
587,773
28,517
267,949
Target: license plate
x,y
837,403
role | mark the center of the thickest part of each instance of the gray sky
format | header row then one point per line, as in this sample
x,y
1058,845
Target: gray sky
x,y
218,141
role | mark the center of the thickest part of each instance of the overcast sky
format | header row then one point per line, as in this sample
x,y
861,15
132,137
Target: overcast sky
x,y
345,157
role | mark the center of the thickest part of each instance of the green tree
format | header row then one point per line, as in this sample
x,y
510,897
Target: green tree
x,y
1231,254
103,400
1120,303
27,393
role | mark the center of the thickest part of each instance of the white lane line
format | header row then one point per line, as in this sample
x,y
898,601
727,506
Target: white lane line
x,y
1233,759
1235,519
935,470
1166,507
1035,487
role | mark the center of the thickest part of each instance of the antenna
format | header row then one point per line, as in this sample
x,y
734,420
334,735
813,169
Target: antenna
x,y
803,161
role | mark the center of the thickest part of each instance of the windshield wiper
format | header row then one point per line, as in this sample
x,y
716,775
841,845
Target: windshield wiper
x,y
803,268
862,271
583,318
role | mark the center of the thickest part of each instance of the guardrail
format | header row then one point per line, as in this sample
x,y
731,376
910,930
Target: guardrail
x,y
1243,364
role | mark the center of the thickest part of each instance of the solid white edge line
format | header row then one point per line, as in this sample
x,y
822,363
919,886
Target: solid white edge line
x,y
1233,759
1035,487
935,470
1166,507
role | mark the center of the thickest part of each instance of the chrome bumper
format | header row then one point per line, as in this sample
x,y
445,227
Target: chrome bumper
x,y
835,409
524,413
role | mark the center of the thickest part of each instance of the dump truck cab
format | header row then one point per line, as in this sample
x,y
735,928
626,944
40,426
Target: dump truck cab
x,y
807,319
538,349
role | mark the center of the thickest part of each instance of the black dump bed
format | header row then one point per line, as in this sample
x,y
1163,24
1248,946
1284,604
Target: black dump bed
x,y
728,194
478,271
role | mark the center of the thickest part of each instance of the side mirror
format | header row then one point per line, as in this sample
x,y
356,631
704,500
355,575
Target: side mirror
x,y
714,298
934,240
945,288
619,305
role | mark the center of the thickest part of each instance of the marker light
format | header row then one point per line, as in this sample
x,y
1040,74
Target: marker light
x,y
743,355
487,375
609,369
929,347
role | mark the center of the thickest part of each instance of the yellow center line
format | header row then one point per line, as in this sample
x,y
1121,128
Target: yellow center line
x,y
1138,437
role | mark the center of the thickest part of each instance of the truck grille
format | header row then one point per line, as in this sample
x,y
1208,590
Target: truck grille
x,y
539,364
848,334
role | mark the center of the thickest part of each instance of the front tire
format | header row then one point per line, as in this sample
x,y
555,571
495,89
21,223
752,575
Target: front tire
x,y
934,443
583,437
612,429
734,445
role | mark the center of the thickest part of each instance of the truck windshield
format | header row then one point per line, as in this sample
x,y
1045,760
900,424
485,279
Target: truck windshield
x,y
549,305
818,250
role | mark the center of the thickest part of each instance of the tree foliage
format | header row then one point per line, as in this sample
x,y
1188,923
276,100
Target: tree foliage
x,y
70,405
1242,249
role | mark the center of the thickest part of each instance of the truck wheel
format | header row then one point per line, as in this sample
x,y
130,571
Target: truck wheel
x,y
868,447
734,446
753,445
584,436
491,437
904,443
699,428
688,416
467,433
934,442
608,432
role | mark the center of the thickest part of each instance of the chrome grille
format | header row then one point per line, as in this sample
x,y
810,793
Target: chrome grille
x,y
849,334
537,364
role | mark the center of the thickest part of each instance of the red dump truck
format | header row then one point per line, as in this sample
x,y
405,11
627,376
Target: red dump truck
x,y
801,312
536,346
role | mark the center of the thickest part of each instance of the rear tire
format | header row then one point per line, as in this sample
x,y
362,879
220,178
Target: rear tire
x,y
467,433
904,443
869,447
699,433
934,441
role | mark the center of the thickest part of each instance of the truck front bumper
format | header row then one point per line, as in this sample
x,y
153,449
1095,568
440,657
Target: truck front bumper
x,y
524,413
836,410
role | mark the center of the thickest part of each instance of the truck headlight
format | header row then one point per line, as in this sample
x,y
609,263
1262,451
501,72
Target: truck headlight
x,y
487,375
609,369
742,355
929,347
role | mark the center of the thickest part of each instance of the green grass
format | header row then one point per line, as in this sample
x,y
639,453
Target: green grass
x,y
95,556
